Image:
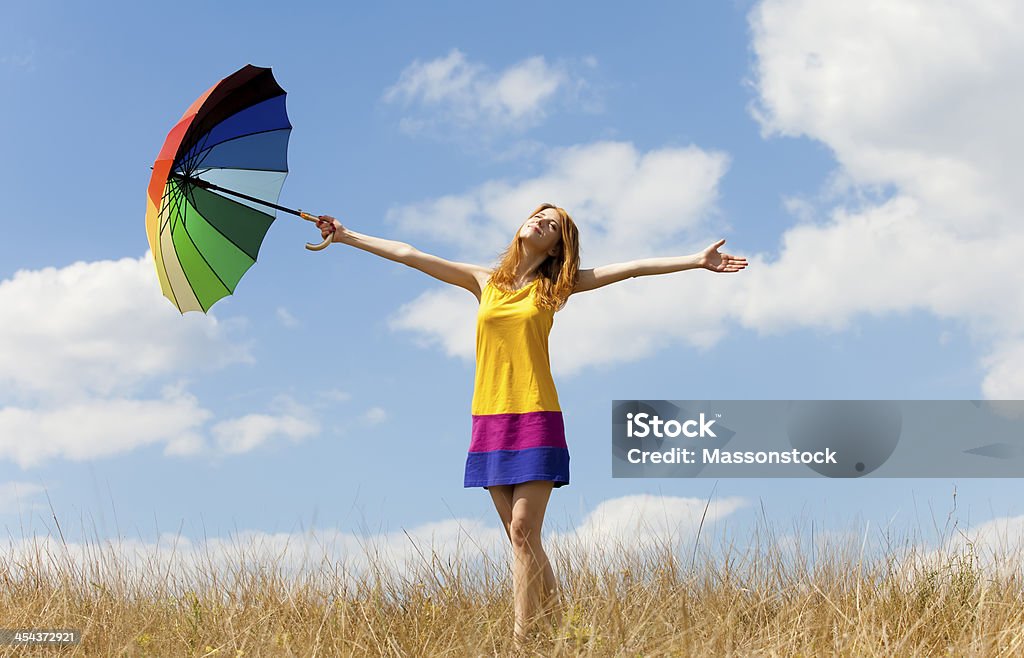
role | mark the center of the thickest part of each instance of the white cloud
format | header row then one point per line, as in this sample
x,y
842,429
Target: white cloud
x,y
93,428
645,523
248,432
101,328
442,318
912,93
521,90
1005,377
105,427
886,258
625,201
81,343
460,95
919,101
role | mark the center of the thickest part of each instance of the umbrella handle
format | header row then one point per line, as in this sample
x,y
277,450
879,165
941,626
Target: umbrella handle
x,y
316,247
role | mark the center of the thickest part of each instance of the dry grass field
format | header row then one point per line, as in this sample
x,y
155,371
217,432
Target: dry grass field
x,y
769,599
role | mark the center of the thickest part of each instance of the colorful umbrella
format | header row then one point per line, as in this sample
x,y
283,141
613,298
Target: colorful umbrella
x,y
214,184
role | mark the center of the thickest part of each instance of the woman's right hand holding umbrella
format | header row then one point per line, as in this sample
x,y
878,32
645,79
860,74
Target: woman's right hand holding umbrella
x,y
329,225
331,230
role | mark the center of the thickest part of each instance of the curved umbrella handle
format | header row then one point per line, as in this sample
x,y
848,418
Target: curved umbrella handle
x,y
323,245
316,247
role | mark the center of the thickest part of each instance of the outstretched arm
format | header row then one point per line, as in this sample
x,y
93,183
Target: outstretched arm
x,y
708,259
464,275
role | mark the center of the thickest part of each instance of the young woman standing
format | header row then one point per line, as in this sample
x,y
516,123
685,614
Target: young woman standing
x,y
518,450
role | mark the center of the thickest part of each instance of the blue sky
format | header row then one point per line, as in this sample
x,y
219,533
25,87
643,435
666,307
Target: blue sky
x,y
865,173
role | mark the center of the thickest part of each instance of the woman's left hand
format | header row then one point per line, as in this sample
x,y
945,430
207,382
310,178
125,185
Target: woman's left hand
x,y
712,260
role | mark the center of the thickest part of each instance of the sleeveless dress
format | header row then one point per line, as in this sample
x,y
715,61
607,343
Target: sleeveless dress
x,y
518,434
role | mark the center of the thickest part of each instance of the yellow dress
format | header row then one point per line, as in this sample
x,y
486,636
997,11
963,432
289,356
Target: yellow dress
x,y
518,434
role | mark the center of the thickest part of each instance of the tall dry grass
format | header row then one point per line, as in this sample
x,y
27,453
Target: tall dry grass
x,y
774,597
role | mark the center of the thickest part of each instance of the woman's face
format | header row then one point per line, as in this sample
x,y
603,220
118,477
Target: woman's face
x,y
543,230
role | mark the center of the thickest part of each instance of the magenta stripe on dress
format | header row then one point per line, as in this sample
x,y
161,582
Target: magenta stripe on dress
x,y
536,429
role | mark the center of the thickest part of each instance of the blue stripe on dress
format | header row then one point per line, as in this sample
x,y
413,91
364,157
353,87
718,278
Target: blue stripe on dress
x,y
515,466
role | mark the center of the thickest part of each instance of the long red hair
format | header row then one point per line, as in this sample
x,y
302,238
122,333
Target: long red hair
x,y
557,275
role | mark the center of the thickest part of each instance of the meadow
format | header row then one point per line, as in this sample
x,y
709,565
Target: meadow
x,y
769,595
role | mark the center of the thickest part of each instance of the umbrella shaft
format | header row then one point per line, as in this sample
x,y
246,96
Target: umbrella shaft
x,y
199,182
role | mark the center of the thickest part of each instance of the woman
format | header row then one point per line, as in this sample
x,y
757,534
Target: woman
x,y
518,450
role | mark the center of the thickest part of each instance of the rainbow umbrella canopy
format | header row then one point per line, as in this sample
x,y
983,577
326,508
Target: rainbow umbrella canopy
x,y
214,188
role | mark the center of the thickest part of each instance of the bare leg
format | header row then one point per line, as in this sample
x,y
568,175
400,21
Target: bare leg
x,y
501,494
529,502
549,601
